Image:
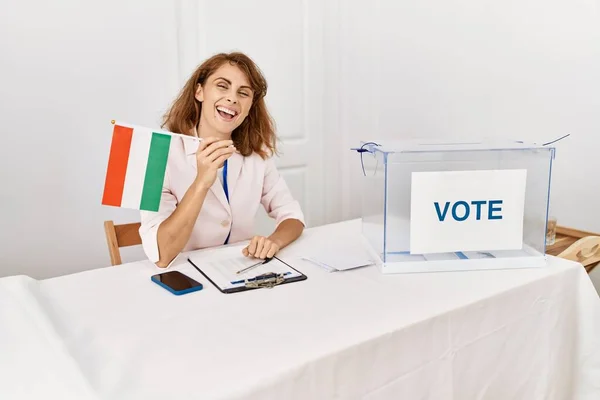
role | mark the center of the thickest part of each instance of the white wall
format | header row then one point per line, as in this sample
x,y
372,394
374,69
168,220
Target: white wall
x,y
67,69
517,69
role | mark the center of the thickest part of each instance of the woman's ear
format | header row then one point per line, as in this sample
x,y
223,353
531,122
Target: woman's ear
x,y
199,93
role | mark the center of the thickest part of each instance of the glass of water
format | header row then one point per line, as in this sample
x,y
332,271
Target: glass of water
x,y
551,231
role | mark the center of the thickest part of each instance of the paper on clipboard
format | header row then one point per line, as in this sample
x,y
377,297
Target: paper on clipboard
x,y
222,272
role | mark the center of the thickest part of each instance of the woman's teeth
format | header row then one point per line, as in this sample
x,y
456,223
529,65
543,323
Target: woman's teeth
x,y
227,111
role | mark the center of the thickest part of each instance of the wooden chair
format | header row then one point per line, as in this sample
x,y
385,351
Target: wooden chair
x,y
576,245
121,236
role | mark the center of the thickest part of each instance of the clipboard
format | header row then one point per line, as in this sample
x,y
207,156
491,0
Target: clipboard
x,y
269,275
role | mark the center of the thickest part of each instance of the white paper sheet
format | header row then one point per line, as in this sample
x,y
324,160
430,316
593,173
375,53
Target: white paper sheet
x,y
340,255
477,210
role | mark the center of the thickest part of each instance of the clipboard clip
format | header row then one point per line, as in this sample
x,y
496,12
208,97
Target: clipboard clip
x,y
267,280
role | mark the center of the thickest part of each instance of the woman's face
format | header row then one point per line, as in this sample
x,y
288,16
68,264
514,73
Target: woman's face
x,y
226,99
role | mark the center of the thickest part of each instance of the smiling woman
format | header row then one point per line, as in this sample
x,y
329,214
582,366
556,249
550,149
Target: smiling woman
x,y
223,104
217,84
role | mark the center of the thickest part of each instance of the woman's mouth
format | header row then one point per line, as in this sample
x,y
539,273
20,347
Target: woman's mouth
x,y
226,113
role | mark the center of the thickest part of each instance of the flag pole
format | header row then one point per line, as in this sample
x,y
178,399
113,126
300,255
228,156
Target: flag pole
x,y
157,131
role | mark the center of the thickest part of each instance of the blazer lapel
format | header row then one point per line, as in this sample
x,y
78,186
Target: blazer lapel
x,y
219,193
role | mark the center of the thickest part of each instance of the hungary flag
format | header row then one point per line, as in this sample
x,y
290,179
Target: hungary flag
x,y
136,168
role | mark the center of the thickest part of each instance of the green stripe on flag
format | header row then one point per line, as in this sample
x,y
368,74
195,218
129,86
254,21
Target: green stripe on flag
x,y
155,171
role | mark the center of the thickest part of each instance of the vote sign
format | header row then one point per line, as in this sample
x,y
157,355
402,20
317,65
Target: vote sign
x,y
467,210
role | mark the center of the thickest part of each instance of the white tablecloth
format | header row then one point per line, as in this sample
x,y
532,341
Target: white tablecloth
x,y
113,334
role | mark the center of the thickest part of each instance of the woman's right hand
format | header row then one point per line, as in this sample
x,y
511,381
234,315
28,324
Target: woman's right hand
x,y
211,155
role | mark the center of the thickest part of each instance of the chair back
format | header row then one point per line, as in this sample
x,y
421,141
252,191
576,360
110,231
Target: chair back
x,y
576,245
585,251
118,236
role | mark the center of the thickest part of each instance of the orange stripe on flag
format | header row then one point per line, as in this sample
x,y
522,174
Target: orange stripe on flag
x,y
117,166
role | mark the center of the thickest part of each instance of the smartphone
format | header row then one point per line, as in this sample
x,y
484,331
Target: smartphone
x,y
176,282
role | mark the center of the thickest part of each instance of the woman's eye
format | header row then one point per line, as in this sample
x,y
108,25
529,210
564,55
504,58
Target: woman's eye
x,y
244,94
222,86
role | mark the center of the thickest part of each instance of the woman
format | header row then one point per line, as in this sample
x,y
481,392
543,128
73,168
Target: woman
x,y
223,104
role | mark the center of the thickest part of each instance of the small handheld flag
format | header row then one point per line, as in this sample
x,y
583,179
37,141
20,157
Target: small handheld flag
x,y
136,167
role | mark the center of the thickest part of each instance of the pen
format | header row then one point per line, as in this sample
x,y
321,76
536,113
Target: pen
x,y
254,265
258,277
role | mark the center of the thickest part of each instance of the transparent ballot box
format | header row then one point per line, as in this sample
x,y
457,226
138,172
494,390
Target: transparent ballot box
x,y
430,206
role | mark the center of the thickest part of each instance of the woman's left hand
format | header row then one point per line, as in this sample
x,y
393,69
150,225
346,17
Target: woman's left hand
x,y
261,247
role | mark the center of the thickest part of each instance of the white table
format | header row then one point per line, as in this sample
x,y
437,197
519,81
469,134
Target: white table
x,y
112,334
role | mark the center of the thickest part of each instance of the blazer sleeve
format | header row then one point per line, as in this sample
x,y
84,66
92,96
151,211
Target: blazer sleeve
x,y
277,198
150,222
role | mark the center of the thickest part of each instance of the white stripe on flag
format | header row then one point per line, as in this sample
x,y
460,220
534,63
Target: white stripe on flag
x,y
136,168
